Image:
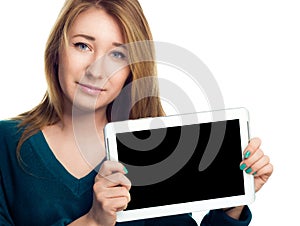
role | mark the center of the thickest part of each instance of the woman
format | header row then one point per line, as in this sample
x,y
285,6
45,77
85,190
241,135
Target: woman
x,y
47,177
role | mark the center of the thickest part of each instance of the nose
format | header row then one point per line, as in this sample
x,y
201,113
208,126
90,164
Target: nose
x,y
97,68
105,67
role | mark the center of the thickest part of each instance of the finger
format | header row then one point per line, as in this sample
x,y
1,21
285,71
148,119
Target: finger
x,y
257,155
113,180
252,147
266,171
122,208
118,179
117,192
111,206
117,204
262,162
110,167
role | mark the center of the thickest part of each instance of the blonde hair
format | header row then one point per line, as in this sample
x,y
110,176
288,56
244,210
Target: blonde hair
x,y
135,28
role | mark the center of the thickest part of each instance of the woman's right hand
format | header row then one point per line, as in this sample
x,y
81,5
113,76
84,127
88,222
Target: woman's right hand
x,y
111,193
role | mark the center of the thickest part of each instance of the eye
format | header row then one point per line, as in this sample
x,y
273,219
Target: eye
x,y
82,46
118,55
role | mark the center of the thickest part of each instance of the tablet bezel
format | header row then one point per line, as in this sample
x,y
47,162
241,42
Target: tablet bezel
x,y
112,128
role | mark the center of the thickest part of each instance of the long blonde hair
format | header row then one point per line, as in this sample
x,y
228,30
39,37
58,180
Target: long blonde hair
x,y
135,28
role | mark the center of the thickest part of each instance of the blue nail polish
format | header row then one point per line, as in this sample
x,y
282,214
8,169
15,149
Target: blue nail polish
x,y
247,154
125,170
243,166
249,170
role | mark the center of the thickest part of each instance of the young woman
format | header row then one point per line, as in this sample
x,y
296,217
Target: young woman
x,y
49,178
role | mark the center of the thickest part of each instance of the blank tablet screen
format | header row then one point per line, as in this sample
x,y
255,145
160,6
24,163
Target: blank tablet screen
x,y
222,178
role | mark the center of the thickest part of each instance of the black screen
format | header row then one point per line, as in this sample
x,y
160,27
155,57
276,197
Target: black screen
x,y
221,178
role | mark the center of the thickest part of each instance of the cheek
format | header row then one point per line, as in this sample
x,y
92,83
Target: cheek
x,y
68,70
62,66
121,78
117,81
62,76
71,65
66,81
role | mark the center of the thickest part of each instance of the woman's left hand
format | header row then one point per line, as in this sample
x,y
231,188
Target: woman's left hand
x,y
256,163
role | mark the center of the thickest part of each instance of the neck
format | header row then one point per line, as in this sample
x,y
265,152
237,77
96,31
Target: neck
x,y
86,128
82,119
78,137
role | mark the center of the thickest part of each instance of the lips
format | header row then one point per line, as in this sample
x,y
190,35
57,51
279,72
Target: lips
x,y
90,89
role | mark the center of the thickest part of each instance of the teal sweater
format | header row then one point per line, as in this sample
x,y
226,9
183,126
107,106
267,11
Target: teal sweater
x,y
42,192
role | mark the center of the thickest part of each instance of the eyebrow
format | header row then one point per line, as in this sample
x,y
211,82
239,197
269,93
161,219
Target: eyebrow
x,y
116,44
91,38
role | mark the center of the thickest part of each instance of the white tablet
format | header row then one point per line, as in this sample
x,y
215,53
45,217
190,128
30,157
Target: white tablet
x,y
182,163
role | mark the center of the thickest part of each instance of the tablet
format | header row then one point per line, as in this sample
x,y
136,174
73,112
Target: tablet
x,y
182,163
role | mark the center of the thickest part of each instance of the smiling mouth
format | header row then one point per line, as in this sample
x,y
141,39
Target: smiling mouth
x,y
89,89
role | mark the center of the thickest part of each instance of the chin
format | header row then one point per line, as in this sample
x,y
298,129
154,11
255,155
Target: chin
x,y
86,107
84,104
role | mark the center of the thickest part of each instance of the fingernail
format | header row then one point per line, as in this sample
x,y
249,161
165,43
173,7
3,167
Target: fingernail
x,y
249,170
254,173
125,170
247,154
243,166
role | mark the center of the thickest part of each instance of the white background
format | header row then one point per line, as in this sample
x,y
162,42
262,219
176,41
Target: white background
x,y
251,47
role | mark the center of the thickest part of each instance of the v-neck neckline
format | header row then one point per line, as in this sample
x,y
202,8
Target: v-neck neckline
x,y
78,186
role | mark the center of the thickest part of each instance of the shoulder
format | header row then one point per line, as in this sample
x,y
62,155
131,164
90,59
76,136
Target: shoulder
x,y
9,136
9,128
6,124
10,132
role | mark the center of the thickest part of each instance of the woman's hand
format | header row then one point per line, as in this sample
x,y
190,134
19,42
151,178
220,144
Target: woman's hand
x,y
256,163
111,193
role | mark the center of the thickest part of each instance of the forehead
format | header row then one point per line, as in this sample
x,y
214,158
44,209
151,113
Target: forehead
x,y
97,23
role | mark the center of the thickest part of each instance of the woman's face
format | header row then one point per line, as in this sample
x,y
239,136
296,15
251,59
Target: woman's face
x,y
93,66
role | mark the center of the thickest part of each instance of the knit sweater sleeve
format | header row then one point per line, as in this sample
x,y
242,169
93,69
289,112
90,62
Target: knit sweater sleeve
x,y
219,217
5,218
